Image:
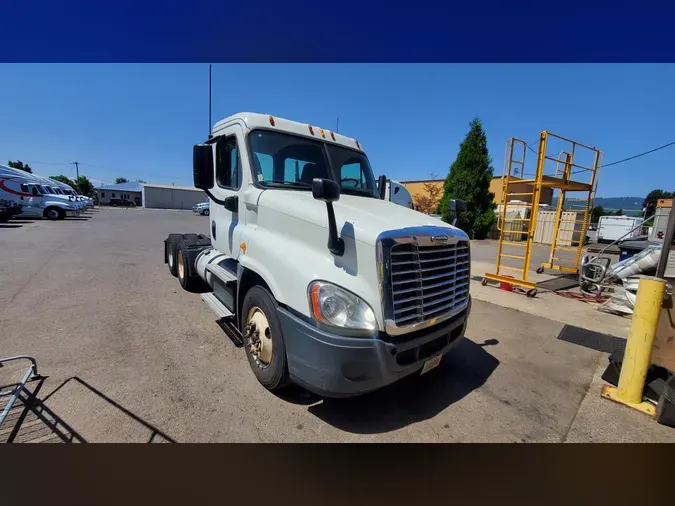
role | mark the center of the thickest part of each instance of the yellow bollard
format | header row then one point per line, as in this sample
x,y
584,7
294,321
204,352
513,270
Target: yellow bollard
x,y
637,357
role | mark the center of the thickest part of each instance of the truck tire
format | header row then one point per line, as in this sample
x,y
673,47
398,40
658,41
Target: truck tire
x,y
54,213
193,284
263,339
170,250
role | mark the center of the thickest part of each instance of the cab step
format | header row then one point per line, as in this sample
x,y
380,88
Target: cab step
x,y
224,275
216,306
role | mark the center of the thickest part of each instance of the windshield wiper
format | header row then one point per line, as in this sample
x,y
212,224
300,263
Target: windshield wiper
x,y
356,191
295,184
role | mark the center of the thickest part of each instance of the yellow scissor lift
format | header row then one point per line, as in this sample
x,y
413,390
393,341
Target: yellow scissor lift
x,y
525,226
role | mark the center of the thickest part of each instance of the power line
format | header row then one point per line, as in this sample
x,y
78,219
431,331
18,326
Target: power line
x,y
638,156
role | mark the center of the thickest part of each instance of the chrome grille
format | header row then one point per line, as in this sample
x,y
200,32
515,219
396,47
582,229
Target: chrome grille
x,y
427,281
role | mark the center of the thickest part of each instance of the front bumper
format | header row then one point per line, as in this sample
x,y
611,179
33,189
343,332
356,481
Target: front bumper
x,y
70,213
336,366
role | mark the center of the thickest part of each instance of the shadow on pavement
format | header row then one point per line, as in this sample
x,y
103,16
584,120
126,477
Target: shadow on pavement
x,y
32,421
12,225
414,398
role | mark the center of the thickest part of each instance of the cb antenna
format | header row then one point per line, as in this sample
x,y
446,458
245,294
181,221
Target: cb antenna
x,y
210,102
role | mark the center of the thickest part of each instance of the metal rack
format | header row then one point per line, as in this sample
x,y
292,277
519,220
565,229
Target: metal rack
x,y
561,180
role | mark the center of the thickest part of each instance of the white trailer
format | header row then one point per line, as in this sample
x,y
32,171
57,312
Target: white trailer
x,y
612,228
323,281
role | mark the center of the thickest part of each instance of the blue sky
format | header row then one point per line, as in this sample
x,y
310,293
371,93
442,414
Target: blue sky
x,y
141,120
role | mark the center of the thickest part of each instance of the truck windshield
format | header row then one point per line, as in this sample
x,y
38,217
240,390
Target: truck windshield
x,y
283,160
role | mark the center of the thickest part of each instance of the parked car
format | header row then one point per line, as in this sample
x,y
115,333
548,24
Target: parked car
x,y
122,203
204,209
198,207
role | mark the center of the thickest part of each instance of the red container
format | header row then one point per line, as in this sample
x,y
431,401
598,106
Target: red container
x,y
503,285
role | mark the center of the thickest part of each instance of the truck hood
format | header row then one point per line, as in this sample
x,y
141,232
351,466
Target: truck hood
x,y
361,218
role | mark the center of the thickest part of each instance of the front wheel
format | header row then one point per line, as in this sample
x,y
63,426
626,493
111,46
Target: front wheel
x,y
206,212
55,213
264,340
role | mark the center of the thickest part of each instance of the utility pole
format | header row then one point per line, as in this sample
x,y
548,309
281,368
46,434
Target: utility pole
x,y
209,101
77,169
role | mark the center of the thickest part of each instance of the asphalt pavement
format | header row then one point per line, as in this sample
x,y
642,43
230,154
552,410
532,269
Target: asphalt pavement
x,y
127,355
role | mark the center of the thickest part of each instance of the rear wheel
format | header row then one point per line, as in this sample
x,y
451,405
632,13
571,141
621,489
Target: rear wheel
x,y
189,283
55,213
263,339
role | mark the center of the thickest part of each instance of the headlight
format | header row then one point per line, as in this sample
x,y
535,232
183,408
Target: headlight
x,y
333,305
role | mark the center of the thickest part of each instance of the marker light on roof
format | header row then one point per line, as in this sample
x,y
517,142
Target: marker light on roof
x,y
311,130
322,133
332,135
271,121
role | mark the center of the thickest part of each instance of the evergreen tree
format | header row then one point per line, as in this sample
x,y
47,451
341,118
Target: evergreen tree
x,y
469,179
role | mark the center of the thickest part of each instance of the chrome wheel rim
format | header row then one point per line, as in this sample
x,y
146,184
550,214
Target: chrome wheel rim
x,y
181,269
259,335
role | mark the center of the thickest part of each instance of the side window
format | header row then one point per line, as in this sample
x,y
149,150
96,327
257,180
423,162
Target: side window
x,y
35,191
228,163
102,195
351,175
113,195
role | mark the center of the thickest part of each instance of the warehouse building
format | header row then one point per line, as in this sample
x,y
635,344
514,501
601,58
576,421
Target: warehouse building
x,y
152,196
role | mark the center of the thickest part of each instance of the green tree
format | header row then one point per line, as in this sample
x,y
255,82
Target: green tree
x,y
619,212
596,213
64,180
120,180
469,179
652,198
84,186
20,165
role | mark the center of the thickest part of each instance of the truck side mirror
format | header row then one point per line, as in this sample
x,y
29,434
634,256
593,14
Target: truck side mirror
x,y
328,191
457,205
382,186
202,166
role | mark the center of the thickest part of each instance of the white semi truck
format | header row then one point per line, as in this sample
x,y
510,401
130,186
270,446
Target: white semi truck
x,y
323,282
26,190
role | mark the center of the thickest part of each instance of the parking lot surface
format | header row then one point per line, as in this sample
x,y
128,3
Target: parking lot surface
x,y
127,355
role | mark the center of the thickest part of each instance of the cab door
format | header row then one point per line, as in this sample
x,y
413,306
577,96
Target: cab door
x,y
227,217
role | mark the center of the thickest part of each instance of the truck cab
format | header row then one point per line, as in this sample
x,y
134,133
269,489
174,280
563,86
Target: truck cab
x,y
323,281
26,190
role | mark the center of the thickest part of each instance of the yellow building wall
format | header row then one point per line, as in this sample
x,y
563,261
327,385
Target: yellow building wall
x,y
417,188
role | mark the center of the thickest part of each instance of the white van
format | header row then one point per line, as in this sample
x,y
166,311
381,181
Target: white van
x,y
613,228
26,189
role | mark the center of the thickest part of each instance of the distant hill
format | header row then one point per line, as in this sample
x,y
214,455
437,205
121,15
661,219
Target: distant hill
x,y
630,205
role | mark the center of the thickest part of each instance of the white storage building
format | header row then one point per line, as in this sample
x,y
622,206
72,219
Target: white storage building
x,y
152,196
